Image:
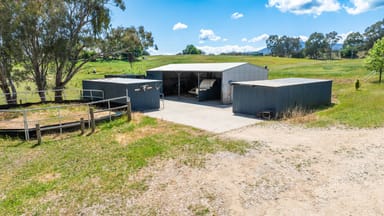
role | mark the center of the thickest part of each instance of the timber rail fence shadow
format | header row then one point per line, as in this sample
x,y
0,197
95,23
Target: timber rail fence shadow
x,y
27,123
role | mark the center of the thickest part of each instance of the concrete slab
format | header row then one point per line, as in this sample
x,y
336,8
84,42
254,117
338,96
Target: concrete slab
x,y
210,116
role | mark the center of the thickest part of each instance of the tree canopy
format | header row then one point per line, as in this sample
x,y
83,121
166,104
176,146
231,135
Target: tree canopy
x,y
373,33
315,45
127,43
283,46
352,45
8,51
49,37
375,58
191,50
331,39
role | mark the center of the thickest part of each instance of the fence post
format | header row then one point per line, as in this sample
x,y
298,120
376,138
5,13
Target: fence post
x,y
129,111
38,134
93,123
82,126
59,115
26,129
109,110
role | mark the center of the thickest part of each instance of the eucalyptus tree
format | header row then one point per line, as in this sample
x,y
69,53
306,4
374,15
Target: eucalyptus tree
x,y
316,45
274,45
373,33
36,31
55,35
352,45
80,25
8,51
283,46
331,38
128,43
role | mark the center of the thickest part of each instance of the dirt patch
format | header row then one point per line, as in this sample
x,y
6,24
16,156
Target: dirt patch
x,y
49,177
289,171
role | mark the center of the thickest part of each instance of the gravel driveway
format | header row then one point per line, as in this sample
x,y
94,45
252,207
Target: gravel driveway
x,y
290,171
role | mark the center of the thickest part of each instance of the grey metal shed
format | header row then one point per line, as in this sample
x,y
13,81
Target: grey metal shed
x,y
180,79
144,93
280,95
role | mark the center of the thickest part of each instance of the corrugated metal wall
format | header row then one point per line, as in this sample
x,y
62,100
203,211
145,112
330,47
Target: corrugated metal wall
x,y
140,100
246,72
251,100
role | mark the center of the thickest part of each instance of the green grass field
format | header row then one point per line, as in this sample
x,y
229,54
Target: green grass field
x,y
66,174
69,173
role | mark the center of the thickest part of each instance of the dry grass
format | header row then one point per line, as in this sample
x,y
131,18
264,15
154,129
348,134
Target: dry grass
x,y
299,115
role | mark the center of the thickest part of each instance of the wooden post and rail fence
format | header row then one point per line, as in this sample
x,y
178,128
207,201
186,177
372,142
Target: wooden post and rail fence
x,y
92,118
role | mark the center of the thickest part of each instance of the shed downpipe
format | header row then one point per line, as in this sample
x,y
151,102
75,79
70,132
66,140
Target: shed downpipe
x,y
198,86
178,84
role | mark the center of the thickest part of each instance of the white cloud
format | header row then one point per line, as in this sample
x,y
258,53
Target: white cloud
x,y
361,6
179,26
299,7
344,36
228,48
208,34
302,37
237,15
256,39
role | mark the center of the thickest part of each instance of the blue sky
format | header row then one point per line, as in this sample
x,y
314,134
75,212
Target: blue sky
x,y
217,26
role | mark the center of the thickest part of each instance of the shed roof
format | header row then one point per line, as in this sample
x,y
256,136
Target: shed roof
x,y
281,82
118,80
199,67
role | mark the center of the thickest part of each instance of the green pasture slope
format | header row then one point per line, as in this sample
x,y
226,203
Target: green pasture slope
x,y
363,108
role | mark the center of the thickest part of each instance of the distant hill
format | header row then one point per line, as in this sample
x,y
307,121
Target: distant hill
x,y
337,47
266,51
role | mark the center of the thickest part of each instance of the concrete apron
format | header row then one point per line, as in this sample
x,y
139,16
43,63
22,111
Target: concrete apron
x,y
208,115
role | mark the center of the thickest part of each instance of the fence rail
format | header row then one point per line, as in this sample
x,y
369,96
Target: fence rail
x,y
60,117
50,95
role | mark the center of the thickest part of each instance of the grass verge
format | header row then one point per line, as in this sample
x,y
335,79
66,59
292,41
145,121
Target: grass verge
x,y
67,175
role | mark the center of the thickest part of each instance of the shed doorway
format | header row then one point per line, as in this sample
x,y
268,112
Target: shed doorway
x,y
199,85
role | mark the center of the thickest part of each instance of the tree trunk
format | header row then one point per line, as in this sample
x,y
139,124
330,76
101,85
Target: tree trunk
x,y
42,96
4,85
380,74
41,89
41,84
7,94
59,94
14,91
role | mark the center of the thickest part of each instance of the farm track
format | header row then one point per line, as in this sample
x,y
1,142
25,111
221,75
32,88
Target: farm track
x,y
289,171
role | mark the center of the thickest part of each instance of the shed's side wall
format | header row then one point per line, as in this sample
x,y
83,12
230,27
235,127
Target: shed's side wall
x,y
304,96
250,100
140,100
254,99
246,72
